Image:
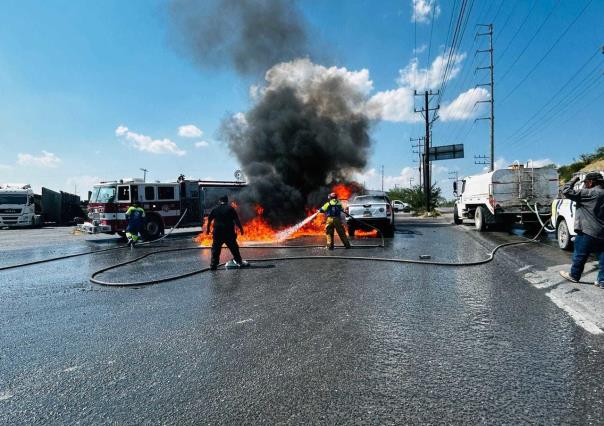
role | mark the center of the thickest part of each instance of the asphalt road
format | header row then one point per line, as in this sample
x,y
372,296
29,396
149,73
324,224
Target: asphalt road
x,y
301,342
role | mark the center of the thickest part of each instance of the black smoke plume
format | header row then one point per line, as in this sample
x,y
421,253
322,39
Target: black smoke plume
x,y
292,145
249,35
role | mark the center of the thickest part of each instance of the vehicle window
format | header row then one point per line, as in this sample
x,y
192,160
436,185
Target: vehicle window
x,y
149,193
13,199
367,199
123,193
103,194
165,192
463,186
134,192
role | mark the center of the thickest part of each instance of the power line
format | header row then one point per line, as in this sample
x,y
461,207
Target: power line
x,y
518,30
549,15
547,52
557,93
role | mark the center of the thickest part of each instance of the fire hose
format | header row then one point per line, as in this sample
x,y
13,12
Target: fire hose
x,y
86,253
95,280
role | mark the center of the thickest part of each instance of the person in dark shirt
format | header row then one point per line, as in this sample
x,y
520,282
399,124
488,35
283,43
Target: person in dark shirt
x,y
225,219
589,224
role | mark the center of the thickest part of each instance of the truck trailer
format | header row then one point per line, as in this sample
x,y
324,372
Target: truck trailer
x,y
512,195
21,207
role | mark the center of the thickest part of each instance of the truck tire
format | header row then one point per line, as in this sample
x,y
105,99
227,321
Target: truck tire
x,y
480,218
388,231
563,236
456,219
153,228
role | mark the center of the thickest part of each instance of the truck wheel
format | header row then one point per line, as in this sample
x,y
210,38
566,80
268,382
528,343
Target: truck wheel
x,y
563,235
153,228
388,230
456,219
480,219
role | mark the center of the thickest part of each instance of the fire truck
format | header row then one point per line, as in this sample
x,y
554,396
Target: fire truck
x,y
164,203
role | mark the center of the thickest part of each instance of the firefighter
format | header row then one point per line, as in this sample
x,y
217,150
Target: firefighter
x,y
589,225
333,210
225,219
135,216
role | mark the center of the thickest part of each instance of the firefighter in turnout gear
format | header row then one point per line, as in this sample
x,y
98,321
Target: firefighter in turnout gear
x,y
333,210
225,219
135,216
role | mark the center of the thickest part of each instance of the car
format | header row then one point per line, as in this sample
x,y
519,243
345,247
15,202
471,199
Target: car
x,y
374,210
399,206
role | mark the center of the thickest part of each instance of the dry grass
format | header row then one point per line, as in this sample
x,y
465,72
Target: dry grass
x,y
596,165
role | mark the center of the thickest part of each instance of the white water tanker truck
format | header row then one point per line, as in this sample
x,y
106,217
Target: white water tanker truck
x,y
506,196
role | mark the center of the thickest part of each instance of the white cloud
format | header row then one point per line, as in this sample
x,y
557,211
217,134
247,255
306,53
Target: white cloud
x,y
540,163
430,78
189,131
420,49
393,105
372,179
147,144
5,167
201,144
465,105
422,10
47,159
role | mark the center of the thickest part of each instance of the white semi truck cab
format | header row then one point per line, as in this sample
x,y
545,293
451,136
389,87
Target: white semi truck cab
x,y
17,206
512,195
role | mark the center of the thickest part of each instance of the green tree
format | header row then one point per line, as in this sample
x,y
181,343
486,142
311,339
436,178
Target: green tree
x,y
414,196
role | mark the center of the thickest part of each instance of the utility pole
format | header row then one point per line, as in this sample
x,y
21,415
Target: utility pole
x,y
417,150
491,84
481,159
411,179
428,94
144,174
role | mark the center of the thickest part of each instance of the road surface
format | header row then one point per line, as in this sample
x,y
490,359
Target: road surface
x,y
305,341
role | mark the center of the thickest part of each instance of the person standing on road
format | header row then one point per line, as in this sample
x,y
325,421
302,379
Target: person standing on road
x,y
589,225
225,219
135,215
333,210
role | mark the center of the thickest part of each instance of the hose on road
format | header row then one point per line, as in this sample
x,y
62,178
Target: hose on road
x,y
86,253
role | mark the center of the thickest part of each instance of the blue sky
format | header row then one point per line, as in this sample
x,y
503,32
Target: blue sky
x,y
72,72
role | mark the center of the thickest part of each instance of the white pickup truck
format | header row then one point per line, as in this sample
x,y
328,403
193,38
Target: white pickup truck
x,y
503,197
563,216
375,210
17,206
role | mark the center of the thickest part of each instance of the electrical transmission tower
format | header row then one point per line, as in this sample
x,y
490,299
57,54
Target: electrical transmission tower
x,y
425,111
481,159
491,85
454,175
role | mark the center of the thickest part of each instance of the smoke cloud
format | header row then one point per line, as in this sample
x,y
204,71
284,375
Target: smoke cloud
x,y
306,130
249,35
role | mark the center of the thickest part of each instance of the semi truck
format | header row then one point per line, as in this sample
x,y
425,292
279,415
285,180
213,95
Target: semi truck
x,y
165,204
563,215
502,197
21,207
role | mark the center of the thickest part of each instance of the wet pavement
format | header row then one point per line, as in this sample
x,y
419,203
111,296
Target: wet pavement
x,y
301,341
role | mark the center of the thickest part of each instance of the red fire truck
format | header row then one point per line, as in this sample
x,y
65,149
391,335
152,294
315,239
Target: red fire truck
x,y
164,204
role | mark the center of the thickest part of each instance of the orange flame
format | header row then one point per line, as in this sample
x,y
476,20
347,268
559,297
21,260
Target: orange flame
x,y
258,229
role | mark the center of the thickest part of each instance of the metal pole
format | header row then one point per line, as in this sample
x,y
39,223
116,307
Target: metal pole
x,y
492,99
426,149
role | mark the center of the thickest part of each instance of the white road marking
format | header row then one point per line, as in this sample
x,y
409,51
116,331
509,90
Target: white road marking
x,y
581,301
524,268
244,321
